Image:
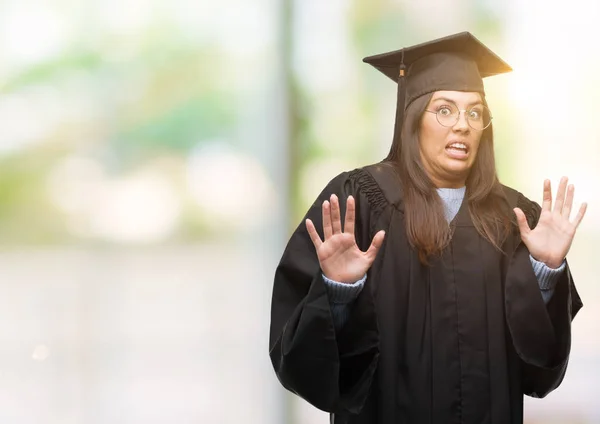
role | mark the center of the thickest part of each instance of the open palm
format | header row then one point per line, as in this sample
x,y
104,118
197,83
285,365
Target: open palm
x,y
551,239
339,256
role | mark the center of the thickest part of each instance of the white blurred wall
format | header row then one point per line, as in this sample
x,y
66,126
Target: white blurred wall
x,y
135,336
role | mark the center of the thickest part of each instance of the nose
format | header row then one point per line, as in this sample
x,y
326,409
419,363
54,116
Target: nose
x,y
461,124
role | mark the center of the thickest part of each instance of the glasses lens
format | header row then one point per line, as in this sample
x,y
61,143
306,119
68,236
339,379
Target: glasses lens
x,y
479,117
447,115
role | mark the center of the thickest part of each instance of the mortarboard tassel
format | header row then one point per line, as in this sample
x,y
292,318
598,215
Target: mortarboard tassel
x,y
400,102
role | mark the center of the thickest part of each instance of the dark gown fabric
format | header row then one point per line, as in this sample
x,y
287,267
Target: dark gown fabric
x,y
459,341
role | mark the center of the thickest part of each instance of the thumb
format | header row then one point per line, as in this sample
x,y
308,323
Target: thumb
x,y
522,222
375,245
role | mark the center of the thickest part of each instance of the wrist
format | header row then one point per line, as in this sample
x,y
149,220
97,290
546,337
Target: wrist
x,y
549,262
554,264
337,279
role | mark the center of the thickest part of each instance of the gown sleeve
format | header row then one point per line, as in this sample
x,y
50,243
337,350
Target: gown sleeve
x,y
541,333
331,371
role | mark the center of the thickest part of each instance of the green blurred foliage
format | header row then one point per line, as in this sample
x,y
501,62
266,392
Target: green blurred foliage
x,y
161,93
160,99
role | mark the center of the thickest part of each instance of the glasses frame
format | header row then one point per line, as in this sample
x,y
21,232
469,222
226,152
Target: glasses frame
x,y
437,117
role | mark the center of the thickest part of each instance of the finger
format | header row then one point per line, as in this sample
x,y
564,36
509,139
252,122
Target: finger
x,y
327,231
375,246
336,221
312,232
547,201
349,220
580,214
566,212
560,195
522,221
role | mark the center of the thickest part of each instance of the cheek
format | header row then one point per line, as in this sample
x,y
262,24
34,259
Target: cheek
x,y
433,137
477,145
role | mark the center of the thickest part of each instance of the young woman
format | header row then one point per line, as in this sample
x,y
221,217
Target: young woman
x,y
420,289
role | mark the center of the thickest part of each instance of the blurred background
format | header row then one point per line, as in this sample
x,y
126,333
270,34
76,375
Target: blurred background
x,y
155,156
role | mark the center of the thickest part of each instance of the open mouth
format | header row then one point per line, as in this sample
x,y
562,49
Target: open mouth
x,y
457,148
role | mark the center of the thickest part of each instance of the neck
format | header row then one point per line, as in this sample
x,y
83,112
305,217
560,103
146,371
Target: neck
x,y
446,183
454,186
442,178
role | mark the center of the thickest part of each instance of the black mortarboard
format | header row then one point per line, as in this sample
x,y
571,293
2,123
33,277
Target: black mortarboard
x,y
454,63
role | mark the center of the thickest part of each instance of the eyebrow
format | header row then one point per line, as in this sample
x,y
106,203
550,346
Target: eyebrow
x,y
478,102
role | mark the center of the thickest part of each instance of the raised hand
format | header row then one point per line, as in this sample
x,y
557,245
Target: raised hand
x,y
551,239
339,255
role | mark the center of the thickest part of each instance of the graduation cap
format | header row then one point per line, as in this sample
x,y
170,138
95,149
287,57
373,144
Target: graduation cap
x,y
457,62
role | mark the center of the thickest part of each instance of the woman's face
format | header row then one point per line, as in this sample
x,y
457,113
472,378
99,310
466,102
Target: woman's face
x,y
448,153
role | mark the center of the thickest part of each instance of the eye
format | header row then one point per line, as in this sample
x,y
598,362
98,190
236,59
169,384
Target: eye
x,y
444,111
475,113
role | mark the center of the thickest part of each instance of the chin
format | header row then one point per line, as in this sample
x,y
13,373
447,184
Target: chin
x,y
459,169
457,174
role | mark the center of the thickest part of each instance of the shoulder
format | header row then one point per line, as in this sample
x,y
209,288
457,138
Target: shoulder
x,y
376,184
380,180
530,208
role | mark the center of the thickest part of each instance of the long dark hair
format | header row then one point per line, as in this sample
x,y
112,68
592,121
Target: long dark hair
x,y
426,226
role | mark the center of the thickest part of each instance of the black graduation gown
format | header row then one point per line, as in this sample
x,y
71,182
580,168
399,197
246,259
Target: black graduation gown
x,y
459,341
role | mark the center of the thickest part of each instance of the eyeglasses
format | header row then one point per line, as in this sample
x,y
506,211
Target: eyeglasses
x,y
478,117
